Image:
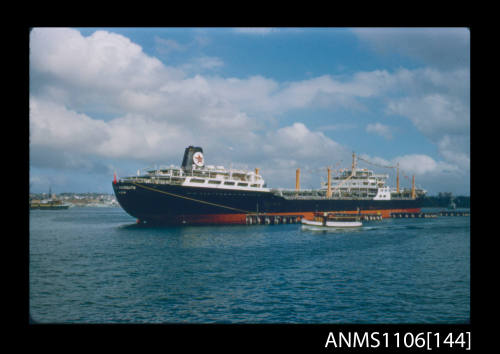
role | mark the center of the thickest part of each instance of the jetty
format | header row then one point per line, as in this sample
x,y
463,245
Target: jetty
x,y
264,219
400,215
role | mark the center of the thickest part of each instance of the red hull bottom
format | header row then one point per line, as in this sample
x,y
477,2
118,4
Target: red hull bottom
x,y
241,219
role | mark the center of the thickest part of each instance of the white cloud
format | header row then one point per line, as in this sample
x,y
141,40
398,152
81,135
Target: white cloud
x,y
152,111
91,71
54,125
423,165
444,119
417,164
434,114
338,127
74,140
379,129
167,45
254,94
206,62
439,47
456,150
297,141
430,174
435,98
102,60
296,146
255,30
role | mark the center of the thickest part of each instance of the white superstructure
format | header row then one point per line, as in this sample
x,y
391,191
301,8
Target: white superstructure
x,y
363,183
203,176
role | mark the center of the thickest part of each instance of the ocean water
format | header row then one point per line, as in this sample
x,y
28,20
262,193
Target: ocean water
x,y
95,265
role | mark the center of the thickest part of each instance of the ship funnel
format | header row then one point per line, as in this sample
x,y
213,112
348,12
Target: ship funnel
x,y
397,179
193,156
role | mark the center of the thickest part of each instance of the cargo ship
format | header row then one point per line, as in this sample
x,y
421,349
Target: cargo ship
x,y
195,193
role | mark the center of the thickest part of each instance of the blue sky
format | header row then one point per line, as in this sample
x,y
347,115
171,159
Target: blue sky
x,y
119,99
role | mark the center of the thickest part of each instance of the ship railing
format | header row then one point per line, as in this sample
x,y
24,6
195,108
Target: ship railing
x,y
304,197
155,180
238,175
318,194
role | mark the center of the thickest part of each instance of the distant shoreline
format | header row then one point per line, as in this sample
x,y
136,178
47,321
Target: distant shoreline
x,y
78,199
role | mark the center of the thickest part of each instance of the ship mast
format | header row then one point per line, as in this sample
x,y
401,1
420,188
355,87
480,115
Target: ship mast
x,y
329,188
353,169
397,178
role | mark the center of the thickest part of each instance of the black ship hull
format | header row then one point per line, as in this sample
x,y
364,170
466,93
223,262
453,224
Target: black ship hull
x,y
176,204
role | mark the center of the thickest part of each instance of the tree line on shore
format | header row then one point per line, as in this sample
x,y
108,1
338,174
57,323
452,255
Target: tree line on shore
x,y
444,200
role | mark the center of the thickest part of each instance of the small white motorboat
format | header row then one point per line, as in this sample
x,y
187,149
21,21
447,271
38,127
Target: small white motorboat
x,y
333,220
